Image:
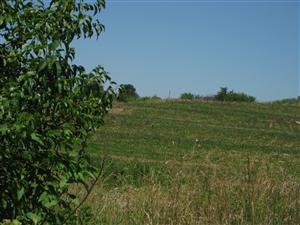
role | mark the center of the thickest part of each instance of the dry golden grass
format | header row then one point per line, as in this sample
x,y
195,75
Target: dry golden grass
x,y
204,194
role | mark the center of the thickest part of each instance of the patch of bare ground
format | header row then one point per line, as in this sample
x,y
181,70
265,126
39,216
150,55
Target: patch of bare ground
x,y
116,110
120,108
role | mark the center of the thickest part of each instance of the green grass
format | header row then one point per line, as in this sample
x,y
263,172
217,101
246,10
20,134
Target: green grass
x,y
246,155
170,130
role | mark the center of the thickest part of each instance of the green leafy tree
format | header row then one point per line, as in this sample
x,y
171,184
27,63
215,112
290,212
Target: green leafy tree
x,y
46,114
127,92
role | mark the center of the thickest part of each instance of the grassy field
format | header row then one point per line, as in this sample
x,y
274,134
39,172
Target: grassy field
x,y
181,162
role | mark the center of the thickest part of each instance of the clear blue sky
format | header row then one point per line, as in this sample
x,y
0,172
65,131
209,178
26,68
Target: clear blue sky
x,y
198,46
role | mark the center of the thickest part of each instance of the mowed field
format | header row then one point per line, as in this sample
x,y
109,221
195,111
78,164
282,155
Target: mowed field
x,y
192,162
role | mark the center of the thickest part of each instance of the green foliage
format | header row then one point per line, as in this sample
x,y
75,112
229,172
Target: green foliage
x,y
231,96
187,96
127,92
46,113
9,222
94,88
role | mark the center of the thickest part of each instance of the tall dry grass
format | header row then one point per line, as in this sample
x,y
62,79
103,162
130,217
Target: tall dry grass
x,y
258,193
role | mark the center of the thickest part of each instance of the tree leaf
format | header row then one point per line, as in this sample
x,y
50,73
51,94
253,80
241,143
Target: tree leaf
x,y
58,68
20,193
36,138
43,66
35,218
53,46
48,200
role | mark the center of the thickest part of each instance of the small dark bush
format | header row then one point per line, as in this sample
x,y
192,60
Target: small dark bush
x,y
187,96
145,98
221,95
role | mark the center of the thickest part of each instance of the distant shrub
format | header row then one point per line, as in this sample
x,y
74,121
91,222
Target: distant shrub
x,y
187,96
148,98
155,97
231,96
127,92
145,98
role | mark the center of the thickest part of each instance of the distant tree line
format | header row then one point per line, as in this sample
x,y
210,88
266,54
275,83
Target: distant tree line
x,y
223,95
127,92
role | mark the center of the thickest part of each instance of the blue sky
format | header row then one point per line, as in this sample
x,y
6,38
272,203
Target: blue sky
x,y
198,46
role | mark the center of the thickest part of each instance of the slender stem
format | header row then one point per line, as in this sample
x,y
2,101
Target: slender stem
x,y
88,192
